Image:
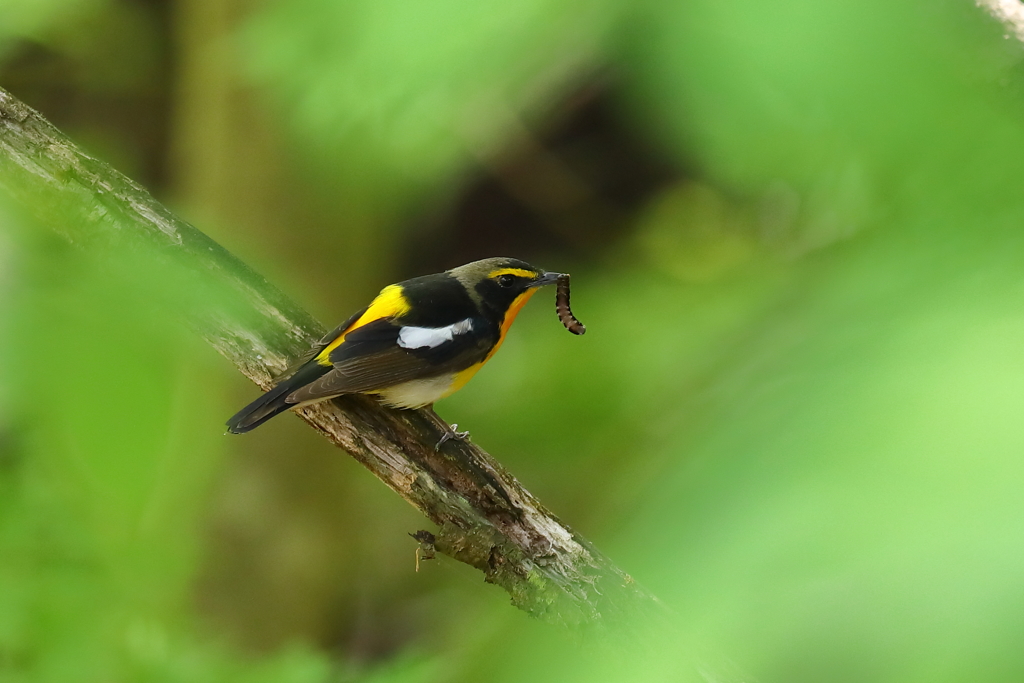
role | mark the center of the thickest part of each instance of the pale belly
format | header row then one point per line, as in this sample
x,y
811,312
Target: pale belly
x,y
418,392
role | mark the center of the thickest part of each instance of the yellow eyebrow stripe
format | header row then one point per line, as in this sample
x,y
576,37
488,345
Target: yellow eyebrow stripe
x,y
519,272
390,303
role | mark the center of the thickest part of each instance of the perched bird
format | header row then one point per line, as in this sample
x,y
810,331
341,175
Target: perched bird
x,y
417,342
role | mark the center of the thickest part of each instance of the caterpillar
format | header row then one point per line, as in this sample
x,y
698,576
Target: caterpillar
x,y
562,307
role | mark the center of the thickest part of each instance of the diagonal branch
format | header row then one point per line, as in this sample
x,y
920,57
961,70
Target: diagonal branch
x,y
484,516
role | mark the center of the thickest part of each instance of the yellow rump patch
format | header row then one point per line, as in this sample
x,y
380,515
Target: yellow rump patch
x,y
518,272
510,316
390,303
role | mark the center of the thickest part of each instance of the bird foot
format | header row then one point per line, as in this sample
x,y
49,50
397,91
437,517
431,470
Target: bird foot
x,y
452,433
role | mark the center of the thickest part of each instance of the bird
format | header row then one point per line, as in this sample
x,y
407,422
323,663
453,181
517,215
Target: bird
x,y
417,342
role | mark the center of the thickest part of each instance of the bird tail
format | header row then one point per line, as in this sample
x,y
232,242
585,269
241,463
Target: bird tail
x,y
274,402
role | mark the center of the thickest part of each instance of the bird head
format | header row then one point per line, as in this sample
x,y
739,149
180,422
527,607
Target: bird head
x,y
501,284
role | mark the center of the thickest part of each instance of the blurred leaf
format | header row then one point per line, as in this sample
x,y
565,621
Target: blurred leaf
x,y
38,19
394,98
108,453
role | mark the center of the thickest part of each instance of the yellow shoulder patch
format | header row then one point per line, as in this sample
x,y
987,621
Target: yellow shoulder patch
x,y
390,303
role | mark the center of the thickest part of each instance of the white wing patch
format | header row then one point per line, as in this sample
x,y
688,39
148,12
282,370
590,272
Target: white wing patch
x,y
420,337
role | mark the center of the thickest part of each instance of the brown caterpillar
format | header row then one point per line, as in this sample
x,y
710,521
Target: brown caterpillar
x,y
562,307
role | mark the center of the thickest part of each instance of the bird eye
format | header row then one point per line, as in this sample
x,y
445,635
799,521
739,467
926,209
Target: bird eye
x,y
506,280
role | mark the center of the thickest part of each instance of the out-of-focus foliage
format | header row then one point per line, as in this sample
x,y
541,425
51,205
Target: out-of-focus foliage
x,y
394,96
39,19
795,415
101,502
97,65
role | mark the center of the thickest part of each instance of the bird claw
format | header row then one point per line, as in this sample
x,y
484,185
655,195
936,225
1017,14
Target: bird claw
x,y
452,433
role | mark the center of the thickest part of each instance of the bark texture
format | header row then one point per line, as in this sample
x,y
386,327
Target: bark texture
x,y
484,516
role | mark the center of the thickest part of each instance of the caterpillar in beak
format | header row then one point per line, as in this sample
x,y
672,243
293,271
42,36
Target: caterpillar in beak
x,y
562,307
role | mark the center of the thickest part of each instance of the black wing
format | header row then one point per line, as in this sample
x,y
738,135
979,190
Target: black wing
x,y
371,359
320,345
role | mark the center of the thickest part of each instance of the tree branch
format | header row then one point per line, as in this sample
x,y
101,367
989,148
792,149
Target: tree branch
x,y
484,516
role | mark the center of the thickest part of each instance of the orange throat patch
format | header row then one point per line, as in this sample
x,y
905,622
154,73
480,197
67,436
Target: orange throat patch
x,y
510,316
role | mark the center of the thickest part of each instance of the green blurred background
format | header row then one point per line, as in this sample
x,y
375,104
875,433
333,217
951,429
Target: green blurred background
x,y
796,231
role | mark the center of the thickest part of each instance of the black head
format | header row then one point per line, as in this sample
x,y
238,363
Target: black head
x,y
499,284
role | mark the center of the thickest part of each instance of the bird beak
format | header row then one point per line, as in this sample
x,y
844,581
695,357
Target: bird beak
x,y
546,279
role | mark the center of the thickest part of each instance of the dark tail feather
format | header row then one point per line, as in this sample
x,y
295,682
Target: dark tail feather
x,y
259,411
273,402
